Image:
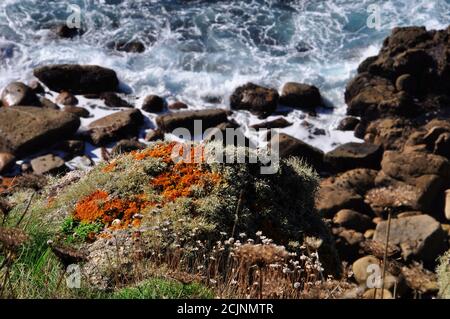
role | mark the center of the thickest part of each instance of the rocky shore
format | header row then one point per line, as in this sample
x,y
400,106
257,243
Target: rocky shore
x,y
394,185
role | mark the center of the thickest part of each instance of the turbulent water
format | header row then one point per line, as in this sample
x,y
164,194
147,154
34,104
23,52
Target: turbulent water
x,y
196,50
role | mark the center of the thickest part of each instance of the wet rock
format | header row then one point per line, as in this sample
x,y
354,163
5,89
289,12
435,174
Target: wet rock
x,y
6,161
115,126
348,123
48,164
354,155
127,46
66,98
177,106
77,110
63,31
27,129
185,119
153,104
419,237
290,146
154,135
77,79
17,93
299,95
111,99
126,146
277,123
351,219
258,100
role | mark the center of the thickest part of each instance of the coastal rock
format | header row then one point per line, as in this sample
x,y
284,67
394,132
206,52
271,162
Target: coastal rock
x,y
331,199
48,164
115,126
419,237
66,98
27,129
290,146
126,146
73,148
154,135
258,100
348,242
299,95
77,79
354,155
127,46
358,180
185,119
348,123
351,219
76,110
17,93
111,99
6,161
177,106
407,83
63,31
47,104
277,123
391,133
153,104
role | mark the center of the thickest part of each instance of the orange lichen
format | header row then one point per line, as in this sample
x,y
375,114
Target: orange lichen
x,y
99,207
110,167
163,151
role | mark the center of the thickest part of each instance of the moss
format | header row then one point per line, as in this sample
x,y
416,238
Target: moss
x,y
443,272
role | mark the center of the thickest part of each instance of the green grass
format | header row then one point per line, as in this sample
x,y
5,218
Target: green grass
x,y
158,288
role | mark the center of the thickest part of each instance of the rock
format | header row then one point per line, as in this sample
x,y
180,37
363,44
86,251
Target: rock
x,y
413,61
368,234
177,106
377,294
290,146
115,126
36,87
185,119
66,98
442,145
154,135
63,31
76,110
299,95
26,129
351,219
348,243
447,204
153,104
330,200
17,93
361,270
348,123
254,98
354,155
358,180
73,148
277,123
6,161
409,165
407,83
127,46
391,133
77,79
47,104
48,164
419,279
111,99
126,146
419,237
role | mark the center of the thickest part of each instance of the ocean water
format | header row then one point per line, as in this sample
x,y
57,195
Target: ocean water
x,y
200,49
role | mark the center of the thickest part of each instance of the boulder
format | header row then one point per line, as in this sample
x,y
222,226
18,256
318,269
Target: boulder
x,y
299,95
177,106
76,110
358,180
17,93
185,119
63,31
126,146
154,135
348,123
390,133
351,219
24,130
127,46
257,99
290,146
354,155
348,242
77,79
115,126
419,237
48,164
330,200
277,123
47,104
6,161
73,148
407,83
153,104
66,98
111,99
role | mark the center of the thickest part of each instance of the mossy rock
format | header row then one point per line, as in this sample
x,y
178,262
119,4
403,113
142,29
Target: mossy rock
x,y
166,203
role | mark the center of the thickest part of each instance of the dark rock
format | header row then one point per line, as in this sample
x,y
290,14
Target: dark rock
x,y
77,110
354,155
277,123
185,119
63,31
127,46
17,93
348,243
177,106
330,200
6,161
73,148
407,83
442,145
351,219
391,133
153,104
111,99
290,146
27,129
126,146
66,98
77,79
419,237
48,164
115,126
299,95
254,98
154,135
47,104
36,87
348,123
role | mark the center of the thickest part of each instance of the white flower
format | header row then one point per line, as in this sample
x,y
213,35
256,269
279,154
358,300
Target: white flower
x,y
297,285
258,233
242,235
